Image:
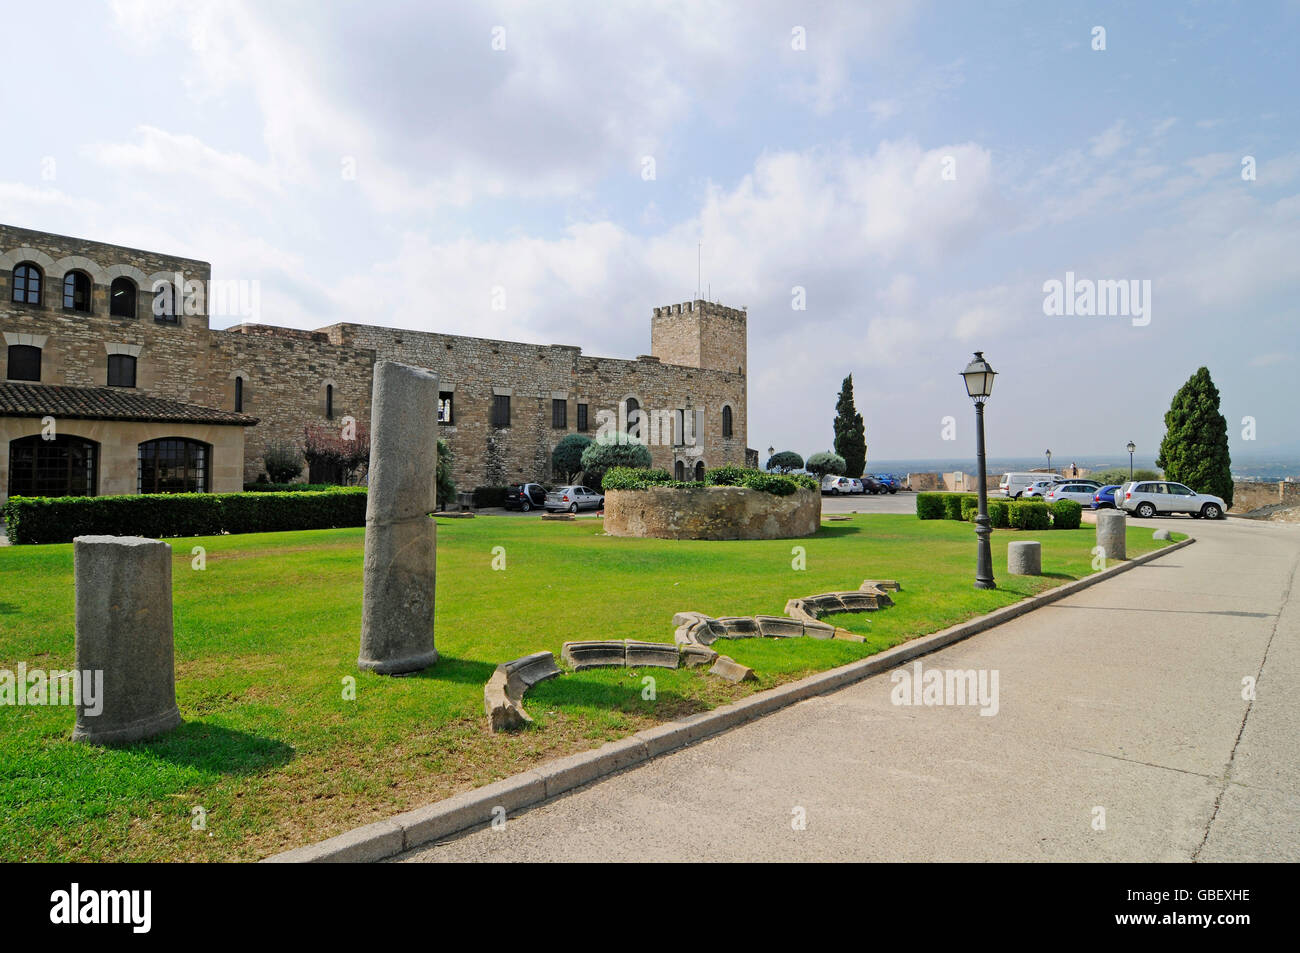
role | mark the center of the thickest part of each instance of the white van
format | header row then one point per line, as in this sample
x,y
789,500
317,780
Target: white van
x,y
1013,484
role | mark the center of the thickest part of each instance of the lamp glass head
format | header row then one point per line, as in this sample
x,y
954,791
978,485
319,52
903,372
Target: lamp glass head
x,y
979,377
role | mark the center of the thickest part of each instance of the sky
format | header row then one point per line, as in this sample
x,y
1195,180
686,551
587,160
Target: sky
x,y
887,187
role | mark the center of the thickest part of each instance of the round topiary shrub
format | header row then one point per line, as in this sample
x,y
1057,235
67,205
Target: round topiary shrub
x,y
825,463
566,458
1066,514
612,450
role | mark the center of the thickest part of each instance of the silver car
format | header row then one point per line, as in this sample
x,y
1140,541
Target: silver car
x,y
1036,490
1081,493
1149,497
574,498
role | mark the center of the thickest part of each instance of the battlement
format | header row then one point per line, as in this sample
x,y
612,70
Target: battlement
x,y
701,306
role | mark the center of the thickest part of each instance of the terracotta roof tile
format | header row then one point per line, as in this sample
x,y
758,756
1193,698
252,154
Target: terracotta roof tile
x,y
19,399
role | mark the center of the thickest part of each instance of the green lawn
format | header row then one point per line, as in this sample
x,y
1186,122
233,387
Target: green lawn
x,y
267,632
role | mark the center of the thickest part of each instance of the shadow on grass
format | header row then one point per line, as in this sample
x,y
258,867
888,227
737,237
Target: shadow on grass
x,y
450,669
836,530
214,748
569,692
8,607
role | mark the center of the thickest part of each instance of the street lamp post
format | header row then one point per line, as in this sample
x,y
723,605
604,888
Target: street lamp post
x,y
978,376
1131,448
1049,460
770,452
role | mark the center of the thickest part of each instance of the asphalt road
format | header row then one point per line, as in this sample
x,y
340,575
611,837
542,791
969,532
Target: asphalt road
x,y
1121,733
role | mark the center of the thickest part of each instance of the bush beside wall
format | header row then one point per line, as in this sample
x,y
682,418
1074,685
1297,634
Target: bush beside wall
x,y
158,516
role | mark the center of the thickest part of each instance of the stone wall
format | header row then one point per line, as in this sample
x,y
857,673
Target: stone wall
x,y
718,512
1251,495
475,371
697,366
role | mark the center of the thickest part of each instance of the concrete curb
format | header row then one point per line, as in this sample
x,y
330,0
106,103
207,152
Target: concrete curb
x,y
481,806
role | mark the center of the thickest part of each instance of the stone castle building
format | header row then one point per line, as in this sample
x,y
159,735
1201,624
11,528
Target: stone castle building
x,y
111,383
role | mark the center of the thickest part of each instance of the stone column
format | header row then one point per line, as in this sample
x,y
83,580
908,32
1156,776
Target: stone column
x,y
124,631
397,603
1111,526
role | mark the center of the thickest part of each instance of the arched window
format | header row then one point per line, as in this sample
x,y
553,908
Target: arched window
x,y
679,469
726,423
76,291
239,395
633,417
121,370
173,465
64,466
699,470
27,283
329,401
24,362
122,296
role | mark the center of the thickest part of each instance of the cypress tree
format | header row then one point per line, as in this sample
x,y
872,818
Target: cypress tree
x,y
850,433
1194,450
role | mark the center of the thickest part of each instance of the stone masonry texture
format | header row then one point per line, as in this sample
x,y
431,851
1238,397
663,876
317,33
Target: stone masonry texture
x,y
698,367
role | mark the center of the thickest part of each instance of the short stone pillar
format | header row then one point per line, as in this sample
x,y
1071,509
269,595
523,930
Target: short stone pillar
x,y
124,636
397,600
1025,558
1111,528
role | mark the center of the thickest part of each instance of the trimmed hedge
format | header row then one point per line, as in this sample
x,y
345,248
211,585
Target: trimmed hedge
x,y
1029,514
289,487
1066,514
490,496
641,478
157,516
929,506
970,507
999,514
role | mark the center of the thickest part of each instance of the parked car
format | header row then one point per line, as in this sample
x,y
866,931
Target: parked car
x,y
574,498
836,485
855,485
888,482
1151,497
1036,490
1104,496
872,485
525,496
1080,492
1014,484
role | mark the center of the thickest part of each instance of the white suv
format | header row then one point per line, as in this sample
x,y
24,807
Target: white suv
x,y
1150,497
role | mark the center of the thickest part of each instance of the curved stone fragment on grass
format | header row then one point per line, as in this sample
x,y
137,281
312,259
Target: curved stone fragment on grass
x,y
601,654
503,695
652,654
693,656
728,668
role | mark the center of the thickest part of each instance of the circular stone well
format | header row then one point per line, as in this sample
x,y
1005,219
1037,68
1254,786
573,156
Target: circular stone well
x,y
714,512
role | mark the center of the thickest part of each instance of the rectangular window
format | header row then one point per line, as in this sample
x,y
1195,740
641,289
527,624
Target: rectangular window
x,y
167,304
24,362
121,370
500,410
582,418
559,414
445,415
